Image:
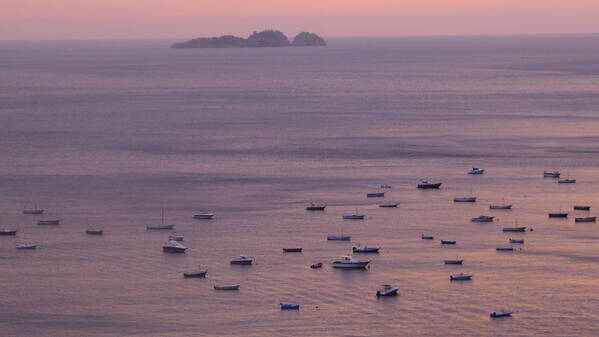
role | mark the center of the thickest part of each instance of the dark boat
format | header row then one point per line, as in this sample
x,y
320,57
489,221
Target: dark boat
x,y
448,242
195,274
427,237
289,306
33,211
453,261
375,195
558,215
338,237
94,231
315,207
428,185
316,265
582,208
292,250
586,219
366,249
48,222
502,313
516,240
514,229
174,247
8,232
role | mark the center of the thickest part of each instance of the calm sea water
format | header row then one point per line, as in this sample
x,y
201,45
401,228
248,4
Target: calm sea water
x,y
107,134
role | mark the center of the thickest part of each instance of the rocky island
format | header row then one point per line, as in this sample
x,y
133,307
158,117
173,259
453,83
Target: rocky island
x,y
267,38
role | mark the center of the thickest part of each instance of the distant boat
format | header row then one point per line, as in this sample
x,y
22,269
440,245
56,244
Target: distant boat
x,y
504,248
53,222
196,274
292,250
551,174
501,313
316,207
582,208
448,242
586,219
242,260
316,265
500,206
460,277
176,237
483,218
33,211
566,181
94,231
289,306
338,237
353,217
388,290
465,199
516,240
425,184
389,205
158,227
514,229
26,246
365,249
204,216
174,247
375,195
476,170
386,186
453,261
7,232
227,287
427,237
558,215
346,262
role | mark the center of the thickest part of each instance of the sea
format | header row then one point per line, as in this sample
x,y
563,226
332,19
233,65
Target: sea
x,y
111,134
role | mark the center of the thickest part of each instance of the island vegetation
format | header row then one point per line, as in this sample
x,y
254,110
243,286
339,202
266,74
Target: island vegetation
x,y
267,38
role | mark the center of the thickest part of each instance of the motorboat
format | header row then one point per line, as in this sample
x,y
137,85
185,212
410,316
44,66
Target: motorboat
x,y
514,229
338,237
483,218
460,277
448,242
427,237
176,237
501,313
52,222
289,306
33,211
465,199
375,195
582,208
227,287
316,265
94,231
174,247
292,250
389,205
500,206
453,261
8,232
586,219
196,274
159,227
243,260
425,184
387,290
353,217
476,170
366,249
551,174
204,216
516,240
386,186
566,181
26,246
316,207
504,248
558,215
346,262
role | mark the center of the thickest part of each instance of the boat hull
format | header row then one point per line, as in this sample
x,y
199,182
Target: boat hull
x,y
316,265
514,229
427,237
203,216
390,205
160,227
483,219
453,261
516,240
387,292
227,287
33,211
292,250
94,232
168,249
199,274
497,314
353,217
366,249
448,242
375,195
288,306
429,186
242,263
587,219
472,199
48,223
558,215
8,233
354,265
582,208
464,277
315,208
338,238
500,207
26,247
504,249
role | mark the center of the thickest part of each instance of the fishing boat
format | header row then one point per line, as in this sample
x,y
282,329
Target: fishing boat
x,y
514,229
205,216
94,231
387,290
389,205
353,217
516,240
476,170
500,206
227,287
460,277
289,306
242,260
375,195
586,219
425,184
174,247
176,237
366,249
7,232
453,261
316,265
346,262
501,313
26,246
34,211
292,250
566,181
386,186
465,199
551,174
558,215
427,237
196,274
483,218
53,222
338,237
582,208
448,242
158,227
316,207
504,248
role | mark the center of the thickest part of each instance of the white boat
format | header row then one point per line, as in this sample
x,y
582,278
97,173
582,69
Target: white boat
x,y
388,290
501,313
551,174
460,277
203,216
26,246
476,170
338,237
500,206
346,262
516,240
453,261
176,237
566,181
504,248
243,260
174,247
353,217
157,227
366,249
483,218
464,199
389,205
227,287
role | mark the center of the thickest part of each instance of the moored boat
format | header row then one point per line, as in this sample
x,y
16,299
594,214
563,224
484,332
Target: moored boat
x,y
504,248
316,207
242,260
586,219
464,199
227,287
316,265
516,240
558,215
386,186
205,216
26,246
375,195
500,206
387,290
292,250
94,231
566,181
159,227
176,237
33,211
366,249
338,237
476,170
427,237
514,229
346,262
52,222
501,313
460,277
389,205
448,242
7,232
551,174
453,261
289,306
483,218
425,184
174,247
196,274
353,217
582,208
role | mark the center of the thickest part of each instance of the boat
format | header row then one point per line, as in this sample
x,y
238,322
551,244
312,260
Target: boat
x,y
586,219
558,215
26,246
176,237
7,232
292,250
465,199
94,231
346,262
365,249
388,290
227,287
582,208
375,195
289,306
33,211
316,265
196,274
514,229
448,242
501,313
427,237
242,260
551,174
53,222
386,186
158,227
338,237
566,181
353,217
425,184
389,205
483,218
516,240
316,207
504,248
460,277
500,206
203,216
453,261
174,247
476,170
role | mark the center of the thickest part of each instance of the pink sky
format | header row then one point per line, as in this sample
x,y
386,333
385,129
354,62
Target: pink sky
x,y
80,19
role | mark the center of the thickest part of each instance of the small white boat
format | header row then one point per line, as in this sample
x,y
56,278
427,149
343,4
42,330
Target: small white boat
x,y
586,219
174,247
476,170
501,313
551,174
338,237
387,290
504,248
427,237
566,181
375,195
464,199
389,205
366,249
242,260
203,216
176,237
52,222
159,227
386,186
483,218
460,277
227,287
26,246
453,261
353,217
516,240
346,262
500,206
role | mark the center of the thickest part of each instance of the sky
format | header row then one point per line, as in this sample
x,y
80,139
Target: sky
x,y
106,19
